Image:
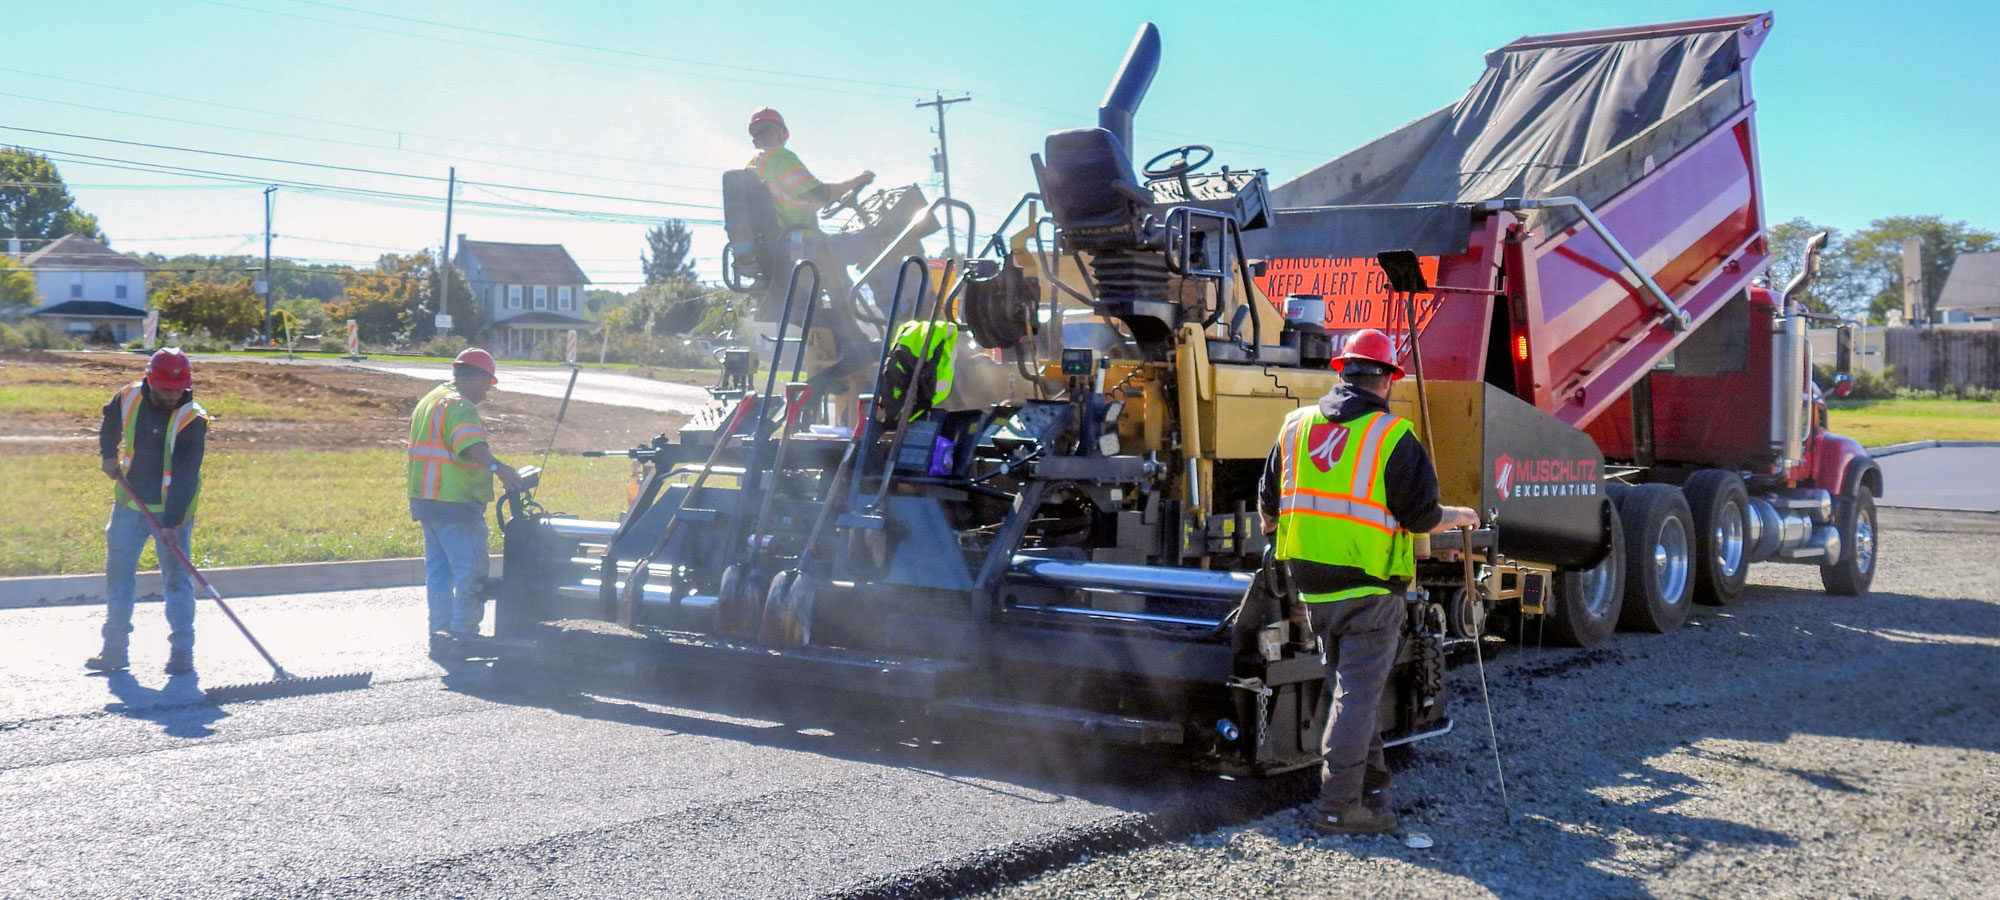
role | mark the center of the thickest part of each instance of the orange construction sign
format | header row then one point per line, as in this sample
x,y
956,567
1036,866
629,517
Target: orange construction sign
x,y
1356,292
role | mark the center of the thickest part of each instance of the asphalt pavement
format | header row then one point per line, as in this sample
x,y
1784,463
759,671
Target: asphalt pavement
x,y
1943,478
474,785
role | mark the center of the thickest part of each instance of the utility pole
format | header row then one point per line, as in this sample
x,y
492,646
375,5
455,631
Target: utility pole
x,y
264,286
942,163
444,249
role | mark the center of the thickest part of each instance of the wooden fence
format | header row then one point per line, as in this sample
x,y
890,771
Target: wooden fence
x,y
1941,359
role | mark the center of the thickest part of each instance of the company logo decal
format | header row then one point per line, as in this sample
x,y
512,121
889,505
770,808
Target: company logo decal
x,y
1324,441
1515,479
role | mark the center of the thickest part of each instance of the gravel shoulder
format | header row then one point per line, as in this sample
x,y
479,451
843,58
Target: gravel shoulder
x,y
1791,745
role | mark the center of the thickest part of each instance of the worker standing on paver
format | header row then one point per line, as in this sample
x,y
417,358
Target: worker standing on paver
x,y
1345,487
450,473
153,433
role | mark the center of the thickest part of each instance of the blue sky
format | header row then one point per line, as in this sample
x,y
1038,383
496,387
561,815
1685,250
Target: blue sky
x,y
1864,111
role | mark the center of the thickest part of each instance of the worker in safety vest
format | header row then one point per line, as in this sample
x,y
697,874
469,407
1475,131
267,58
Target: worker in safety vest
x,y
450,471
153,433
795,193
920,359
1345,487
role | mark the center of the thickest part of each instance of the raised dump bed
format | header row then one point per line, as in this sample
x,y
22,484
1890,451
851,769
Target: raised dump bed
x,y
1604,183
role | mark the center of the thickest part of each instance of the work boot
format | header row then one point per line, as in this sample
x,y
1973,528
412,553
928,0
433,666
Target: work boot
x,y
1356,819
180,661
108,661
444,648
1375,791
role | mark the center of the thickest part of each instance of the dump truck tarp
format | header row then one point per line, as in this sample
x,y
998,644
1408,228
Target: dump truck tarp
x,y
1544,108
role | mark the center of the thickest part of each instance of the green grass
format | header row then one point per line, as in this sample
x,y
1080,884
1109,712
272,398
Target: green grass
x,y
86,400
260,508
1877,423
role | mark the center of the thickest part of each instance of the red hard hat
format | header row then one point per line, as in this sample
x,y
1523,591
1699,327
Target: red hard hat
x,y
169,370
1370,345
478,359
768,114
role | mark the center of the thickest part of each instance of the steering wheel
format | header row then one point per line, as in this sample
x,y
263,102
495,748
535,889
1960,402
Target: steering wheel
x,y
850,200
1186,163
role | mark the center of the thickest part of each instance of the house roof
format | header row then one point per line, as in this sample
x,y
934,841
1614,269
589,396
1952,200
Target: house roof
x,y
1974,282
96,309
543,317
524,263
74,252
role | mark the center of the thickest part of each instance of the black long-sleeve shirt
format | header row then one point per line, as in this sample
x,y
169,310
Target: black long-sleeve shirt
x,y
1409,482
149,448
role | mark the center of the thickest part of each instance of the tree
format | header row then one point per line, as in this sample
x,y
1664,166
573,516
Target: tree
x,y
34,202
17,288
667,257
385,303
1876,255
229,311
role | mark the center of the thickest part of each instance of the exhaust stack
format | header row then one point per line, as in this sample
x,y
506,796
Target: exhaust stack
x,y
1135,75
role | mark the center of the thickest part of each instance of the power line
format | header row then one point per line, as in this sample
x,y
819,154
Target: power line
x,y
398,133
339,168
585,59
307,186
362,144
612,50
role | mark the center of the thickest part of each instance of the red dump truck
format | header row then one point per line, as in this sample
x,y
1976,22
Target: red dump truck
x,y
1590,221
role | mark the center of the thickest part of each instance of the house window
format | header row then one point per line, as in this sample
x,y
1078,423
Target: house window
x,y
118,290
541,296
75,285
564,299
513,296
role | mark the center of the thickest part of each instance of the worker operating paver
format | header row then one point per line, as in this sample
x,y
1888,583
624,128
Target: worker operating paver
x,y
153,434
1344,488
450,472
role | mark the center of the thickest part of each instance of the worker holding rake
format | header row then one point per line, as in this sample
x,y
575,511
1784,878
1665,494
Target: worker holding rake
x,y
152,436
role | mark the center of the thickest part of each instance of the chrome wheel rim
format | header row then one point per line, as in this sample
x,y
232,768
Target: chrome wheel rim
x,y
1598,589
1670,560
1728,539
1864,541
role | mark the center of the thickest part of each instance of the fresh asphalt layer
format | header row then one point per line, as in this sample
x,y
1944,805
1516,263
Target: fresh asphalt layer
x,y
481,785
1943,478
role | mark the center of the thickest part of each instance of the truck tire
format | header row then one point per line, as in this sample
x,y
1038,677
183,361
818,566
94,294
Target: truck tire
x,y
1583,607
1860,545
1721,510
1659,558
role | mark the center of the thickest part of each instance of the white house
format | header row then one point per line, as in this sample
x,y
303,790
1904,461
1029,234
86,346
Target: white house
x,y
1972,290
531,292
88,290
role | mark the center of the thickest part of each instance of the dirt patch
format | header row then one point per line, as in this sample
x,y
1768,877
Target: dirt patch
x,y
263,406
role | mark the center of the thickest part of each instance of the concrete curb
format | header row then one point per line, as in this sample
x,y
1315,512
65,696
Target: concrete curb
x,y
230,581
1907,446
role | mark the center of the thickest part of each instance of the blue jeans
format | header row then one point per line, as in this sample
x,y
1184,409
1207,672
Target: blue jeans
x,y
125,537
455,561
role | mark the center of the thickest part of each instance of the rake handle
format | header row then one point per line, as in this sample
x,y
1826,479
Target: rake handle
x,y
164,536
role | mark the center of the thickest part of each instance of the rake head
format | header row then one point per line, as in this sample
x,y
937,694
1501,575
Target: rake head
x,y
288,687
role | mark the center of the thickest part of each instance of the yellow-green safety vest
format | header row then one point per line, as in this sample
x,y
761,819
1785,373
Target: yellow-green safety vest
x,y
443,426
943,338
1333,506
129,398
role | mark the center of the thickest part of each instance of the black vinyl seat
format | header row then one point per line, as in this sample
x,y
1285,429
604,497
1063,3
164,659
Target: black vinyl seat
x,y
1090,189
